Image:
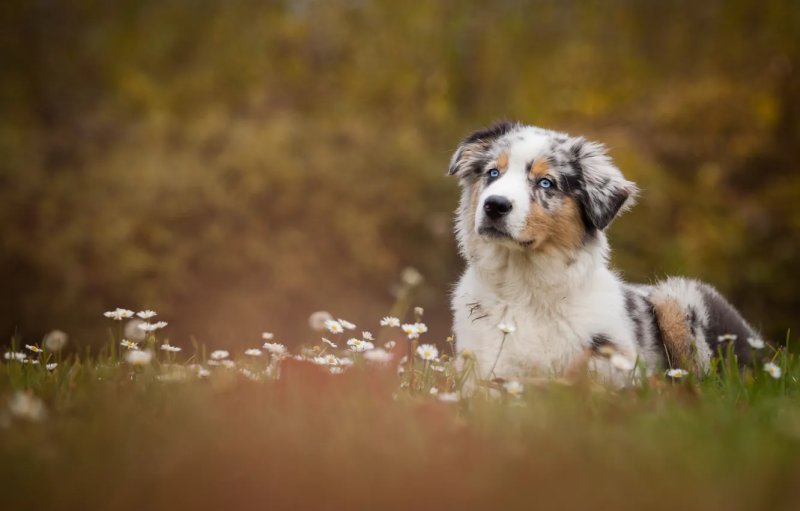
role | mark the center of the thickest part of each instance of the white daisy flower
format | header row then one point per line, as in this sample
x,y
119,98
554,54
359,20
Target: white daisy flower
x,y
138,358
31,361
267,336
411,276
390,321
513,387
621,362
250,375
275,348
219,355
411,330
326,360
146,314
128,344
203,372
421,327
15,355
55,340
390,345
427,352
329,343
347,324
419,312
34,348
507,328
773,369
149,327
367,336
359,346
170,348
726,337
25,405
253,352
334,326
317,320
449,397
378,355
433,391
52,366
228,364
677,373
119,314
756,343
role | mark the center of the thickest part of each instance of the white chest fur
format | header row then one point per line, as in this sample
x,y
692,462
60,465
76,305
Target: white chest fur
x,y
555,307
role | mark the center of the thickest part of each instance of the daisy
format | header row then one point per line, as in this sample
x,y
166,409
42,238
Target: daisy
x,y
390,345
773,369
55,340
329,343
726,337
756,343
411,331
33,348
275,348
150,327
317,320
367,336
51,366
421,327
358,345
326,360
267,336
390,321
378,355
513,387
27,406
138,358
677,373
419,312
427,352
250,375
507,328
621,362
203,372
219,355
449,397
170,348
347,324
146,314
334,326
128,344
228,364
119,314
253,352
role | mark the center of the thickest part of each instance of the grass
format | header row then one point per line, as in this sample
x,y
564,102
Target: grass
x,y
97,432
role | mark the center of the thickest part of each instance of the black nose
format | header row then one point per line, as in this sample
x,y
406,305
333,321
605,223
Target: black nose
x,y
496,206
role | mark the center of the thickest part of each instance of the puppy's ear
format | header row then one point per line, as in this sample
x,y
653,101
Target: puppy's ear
x,y
603,191
471,153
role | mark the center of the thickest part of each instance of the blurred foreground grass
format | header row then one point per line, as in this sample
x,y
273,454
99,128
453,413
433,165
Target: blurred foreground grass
x,y
210,430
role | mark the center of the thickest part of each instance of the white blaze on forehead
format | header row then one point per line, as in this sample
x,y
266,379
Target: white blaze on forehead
x,y
523,147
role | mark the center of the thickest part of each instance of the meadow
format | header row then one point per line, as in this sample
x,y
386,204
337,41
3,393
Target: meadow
x,y
363,420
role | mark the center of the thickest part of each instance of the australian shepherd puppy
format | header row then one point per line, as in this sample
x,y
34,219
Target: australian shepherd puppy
x,y
538,297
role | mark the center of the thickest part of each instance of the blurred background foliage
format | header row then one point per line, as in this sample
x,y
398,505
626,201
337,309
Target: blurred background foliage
x,y
238,164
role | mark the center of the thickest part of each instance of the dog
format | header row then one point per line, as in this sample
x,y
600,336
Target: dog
x,y
538,297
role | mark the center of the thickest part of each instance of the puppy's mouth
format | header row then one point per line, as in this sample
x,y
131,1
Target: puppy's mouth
x,y
495,233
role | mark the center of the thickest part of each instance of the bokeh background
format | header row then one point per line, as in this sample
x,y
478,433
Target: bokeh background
x,y
238,164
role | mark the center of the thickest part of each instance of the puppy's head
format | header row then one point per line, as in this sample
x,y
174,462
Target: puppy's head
x,y
535,189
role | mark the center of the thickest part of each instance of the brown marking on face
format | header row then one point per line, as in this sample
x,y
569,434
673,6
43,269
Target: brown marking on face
x,y
558,228
540,168
674,331
502,161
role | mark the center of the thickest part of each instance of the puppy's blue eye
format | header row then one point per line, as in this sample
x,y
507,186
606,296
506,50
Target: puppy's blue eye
x,y
545,183
494,173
